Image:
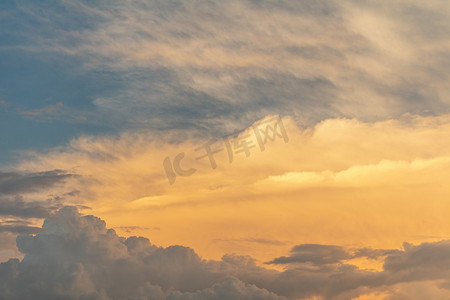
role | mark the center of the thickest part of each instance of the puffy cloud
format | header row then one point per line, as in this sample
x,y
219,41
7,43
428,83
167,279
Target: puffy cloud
x,y
78,257
231,288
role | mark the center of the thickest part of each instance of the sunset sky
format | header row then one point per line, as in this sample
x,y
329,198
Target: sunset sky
x,y
256,149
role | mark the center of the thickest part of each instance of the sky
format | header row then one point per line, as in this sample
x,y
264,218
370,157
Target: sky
x,y
254,149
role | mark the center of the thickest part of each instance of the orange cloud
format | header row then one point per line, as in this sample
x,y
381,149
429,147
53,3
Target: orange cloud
x,y
342,182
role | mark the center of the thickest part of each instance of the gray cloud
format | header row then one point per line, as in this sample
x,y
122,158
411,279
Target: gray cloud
x,y
18,183
315,254
231,288
373,253
20,229
26,209
422,262
78,257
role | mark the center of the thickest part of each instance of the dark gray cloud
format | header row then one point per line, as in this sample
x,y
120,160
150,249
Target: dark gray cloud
x,y
78,257
20,229
18,183
425,261
13,204
319,255
26,209
373,253
315,254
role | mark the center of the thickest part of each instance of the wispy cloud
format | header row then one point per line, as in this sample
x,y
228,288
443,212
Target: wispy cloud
x,y
21,229
46,112
236,61
17,183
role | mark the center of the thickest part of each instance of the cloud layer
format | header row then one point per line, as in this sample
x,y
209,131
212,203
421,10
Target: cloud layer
x,y
213,67
120,88
343,181
78,257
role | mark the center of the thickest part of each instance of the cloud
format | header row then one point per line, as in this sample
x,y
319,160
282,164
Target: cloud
x,y
338,177
45,112
23,215
236,61
425,261
19,208
313,253
229,289
368,82
20,229
78,257
18,183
